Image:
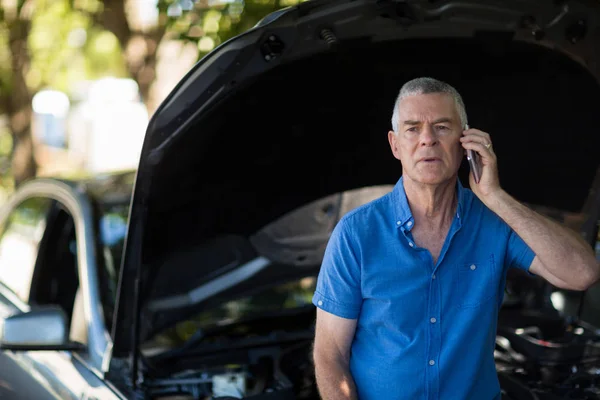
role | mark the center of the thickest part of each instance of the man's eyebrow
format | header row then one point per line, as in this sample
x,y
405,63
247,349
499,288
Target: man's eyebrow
x,y
437,121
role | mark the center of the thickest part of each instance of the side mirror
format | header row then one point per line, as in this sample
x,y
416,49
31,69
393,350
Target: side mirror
x,y
41,329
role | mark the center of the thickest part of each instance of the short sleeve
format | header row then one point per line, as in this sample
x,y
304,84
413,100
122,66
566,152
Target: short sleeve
x,y
338,288
518,254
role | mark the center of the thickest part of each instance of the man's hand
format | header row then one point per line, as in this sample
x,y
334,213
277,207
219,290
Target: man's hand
x,y
563,258
489,184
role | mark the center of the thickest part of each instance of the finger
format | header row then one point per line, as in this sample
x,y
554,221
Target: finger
x,y
477,139
477,132
481,149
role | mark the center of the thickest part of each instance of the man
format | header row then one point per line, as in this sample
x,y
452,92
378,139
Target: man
x,y
411,283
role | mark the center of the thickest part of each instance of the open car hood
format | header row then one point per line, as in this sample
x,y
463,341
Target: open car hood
x,y
272,137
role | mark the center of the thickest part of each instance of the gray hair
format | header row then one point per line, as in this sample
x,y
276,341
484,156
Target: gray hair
x,y
427,85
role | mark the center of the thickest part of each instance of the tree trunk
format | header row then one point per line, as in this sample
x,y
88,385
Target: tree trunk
x,y
18,104
139,48
143,69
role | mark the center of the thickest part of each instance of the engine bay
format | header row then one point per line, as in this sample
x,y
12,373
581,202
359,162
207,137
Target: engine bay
x,y
539,355
273,372
258,344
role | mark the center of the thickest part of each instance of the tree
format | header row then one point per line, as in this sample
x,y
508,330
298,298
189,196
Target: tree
x,y
59,42
138,40
15,97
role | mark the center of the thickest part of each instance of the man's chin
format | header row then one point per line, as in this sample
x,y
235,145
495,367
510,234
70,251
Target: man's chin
x,y
430,179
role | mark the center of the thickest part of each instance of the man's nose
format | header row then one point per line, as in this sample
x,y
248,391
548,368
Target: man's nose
x,y
428,136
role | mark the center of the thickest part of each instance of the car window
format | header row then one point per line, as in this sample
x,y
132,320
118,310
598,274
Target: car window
x,y
20,236
56,278
112,231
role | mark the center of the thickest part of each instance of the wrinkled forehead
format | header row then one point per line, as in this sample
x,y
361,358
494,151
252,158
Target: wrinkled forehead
x,y
428,107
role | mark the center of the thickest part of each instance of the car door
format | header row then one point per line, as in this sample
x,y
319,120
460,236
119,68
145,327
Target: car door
x,y
47,275
21,233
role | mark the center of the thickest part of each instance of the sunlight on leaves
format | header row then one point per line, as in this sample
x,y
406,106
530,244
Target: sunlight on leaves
x,y
54,47
106,42
211,21
98,63
206,44
6,142
34,78
91,6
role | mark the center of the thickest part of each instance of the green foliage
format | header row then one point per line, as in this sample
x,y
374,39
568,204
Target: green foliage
x,y
67,44
6,182
5,59
102,55
73,50
209,26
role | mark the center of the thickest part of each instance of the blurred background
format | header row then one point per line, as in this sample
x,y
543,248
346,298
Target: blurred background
x,y
79,79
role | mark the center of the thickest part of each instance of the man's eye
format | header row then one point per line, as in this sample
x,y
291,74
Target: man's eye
x,y
442,127
412,129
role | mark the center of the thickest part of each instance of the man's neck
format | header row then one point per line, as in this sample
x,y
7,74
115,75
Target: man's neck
x,y
432,205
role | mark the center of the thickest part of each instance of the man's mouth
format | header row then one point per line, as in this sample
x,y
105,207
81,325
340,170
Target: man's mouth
x,y
429,159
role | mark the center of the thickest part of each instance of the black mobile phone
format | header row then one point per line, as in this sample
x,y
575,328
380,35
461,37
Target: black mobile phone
x,y
474,162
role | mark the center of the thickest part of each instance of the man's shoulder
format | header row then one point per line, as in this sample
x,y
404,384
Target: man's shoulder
x,y
476,207
365,212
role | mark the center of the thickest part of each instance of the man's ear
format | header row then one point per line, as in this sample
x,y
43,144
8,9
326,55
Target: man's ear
x,y
393,139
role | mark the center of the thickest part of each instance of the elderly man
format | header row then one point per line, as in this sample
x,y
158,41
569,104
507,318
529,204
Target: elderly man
x,y
411,283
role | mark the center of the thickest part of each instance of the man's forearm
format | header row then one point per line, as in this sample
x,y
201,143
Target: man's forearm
x,y
563,252
334,380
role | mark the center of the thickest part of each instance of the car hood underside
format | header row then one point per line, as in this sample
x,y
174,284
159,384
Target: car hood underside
x,y
260,150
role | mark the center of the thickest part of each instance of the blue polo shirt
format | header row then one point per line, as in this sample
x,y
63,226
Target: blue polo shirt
x,y
423,331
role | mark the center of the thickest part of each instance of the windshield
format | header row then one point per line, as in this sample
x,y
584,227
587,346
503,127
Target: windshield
x,y
273,300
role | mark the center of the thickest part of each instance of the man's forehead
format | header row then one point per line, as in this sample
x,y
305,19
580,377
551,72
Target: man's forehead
x,y
427,106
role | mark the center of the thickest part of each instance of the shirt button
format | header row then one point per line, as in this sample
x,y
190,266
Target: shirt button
x,y
409,224
320,303
433,320
431,362
398,222
473,267
411,244
433,276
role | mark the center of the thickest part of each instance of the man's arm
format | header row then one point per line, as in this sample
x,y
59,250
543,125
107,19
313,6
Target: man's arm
x,y
333,339
563,258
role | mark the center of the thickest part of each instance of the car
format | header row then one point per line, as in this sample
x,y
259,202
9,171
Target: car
x,y
248,165
61,247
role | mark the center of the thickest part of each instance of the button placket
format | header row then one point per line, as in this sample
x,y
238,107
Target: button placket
x,y
434,346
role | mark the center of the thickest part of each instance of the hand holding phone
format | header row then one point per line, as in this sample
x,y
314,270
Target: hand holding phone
x,y
474,162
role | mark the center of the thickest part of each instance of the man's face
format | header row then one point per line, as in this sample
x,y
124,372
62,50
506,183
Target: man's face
x,y
428,139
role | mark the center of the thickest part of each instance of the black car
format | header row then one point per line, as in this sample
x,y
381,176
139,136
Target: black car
x,y
260,149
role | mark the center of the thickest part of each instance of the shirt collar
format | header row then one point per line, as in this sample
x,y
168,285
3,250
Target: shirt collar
x,y
402,211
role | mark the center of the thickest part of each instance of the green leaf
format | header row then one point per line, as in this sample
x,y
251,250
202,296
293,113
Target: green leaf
x,y
20,4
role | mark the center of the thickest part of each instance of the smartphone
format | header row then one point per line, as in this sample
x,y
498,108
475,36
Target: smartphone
x,y
474,162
